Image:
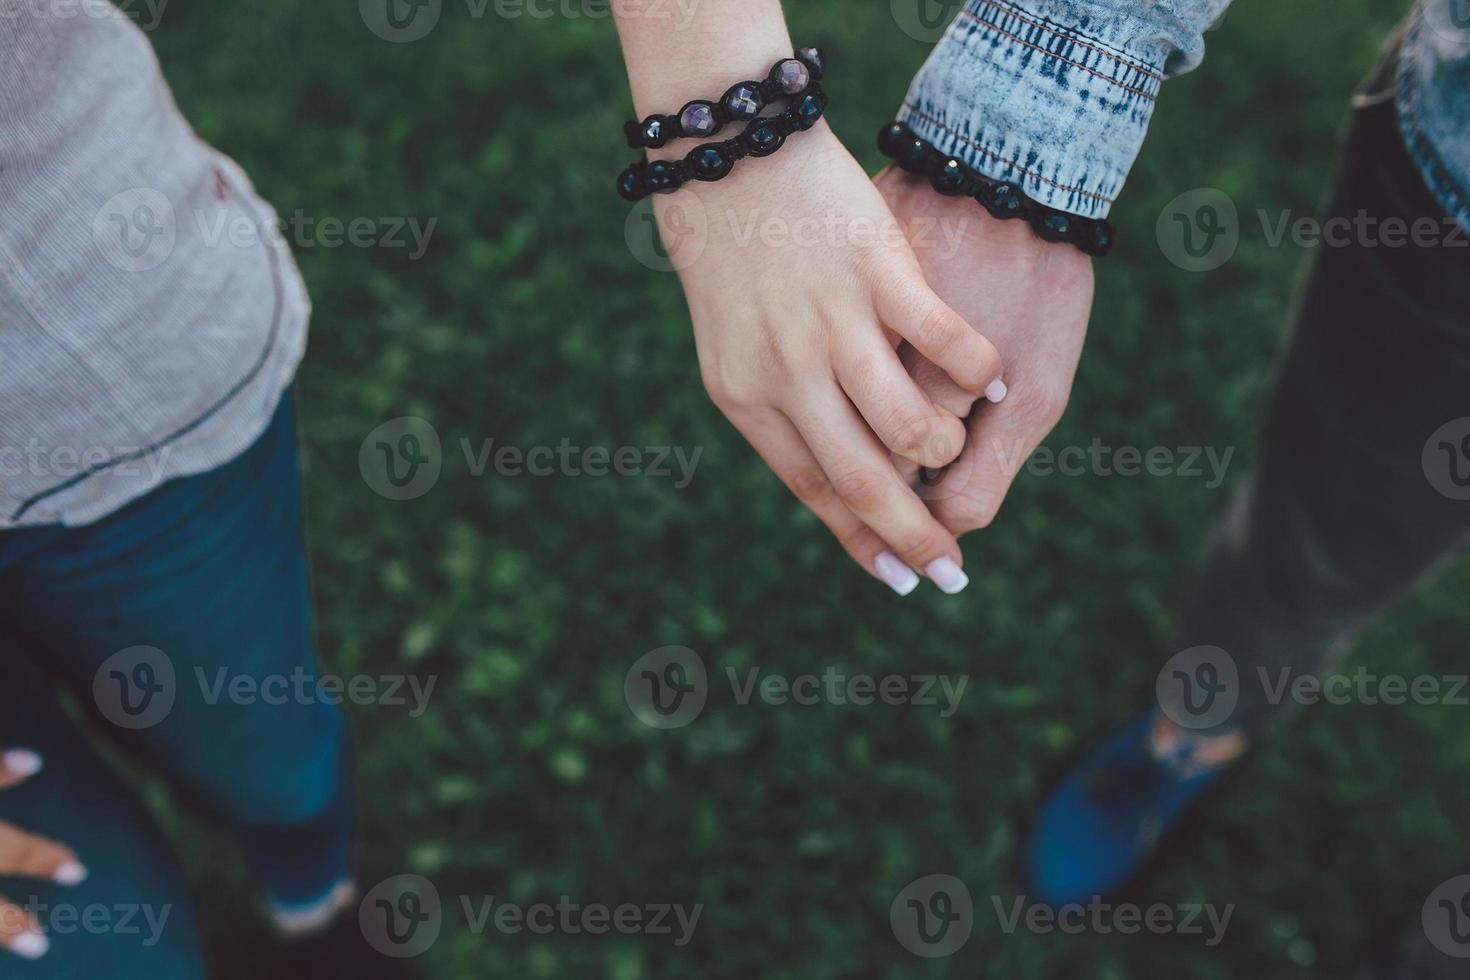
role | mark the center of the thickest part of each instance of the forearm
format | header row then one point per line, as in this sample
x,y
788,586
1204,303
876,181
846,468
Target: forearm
x,y
672,60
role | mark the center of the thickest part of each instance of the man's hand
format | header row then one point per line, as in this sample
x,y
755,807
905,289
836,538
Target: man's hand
x,y
1031,299
25,855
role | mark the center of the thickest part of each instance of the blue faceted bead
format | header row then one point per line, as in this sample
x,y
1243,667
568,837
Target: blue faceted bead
x,y
710,162
744,101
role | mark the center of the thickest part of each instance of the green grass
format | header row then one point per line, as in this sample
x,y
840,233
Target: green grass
x,y
528,322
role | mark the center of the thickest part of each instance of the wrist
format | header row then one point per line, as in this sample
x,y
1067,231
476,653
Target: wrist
x,y
704,67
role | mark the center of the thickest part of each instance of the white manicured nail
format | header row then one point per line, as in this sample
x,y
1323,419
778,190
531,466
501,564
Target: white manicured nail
x,y
900,578
70,873
944,573
22,762
995,391
30,945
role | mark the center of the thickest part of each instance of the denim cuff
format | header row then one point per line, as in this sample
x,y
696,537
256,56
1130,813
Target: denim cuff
x,y
1052,95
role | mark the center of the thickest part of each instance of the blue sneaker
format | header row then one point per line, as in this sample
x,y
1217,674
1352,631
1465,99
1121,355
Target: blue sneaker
x,y
1102,822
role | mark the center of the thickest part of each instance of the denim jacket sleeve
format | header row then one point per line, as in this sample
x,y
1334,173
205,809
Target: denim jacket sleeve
x,y
1055,95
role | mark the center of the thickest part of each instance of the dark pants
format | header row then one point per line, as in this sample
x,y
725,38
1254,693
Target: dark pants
x,y
1355,499
137,616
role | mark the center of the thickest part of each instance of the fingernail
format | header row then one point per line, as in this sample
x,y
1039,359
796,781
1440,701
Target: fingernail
x,y
900,578
70,873
22,762
995,391
944,573
30,945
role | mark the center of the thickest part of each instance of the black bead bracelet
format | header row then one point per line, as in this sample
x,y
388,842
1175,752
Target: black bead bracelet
x,y
712,161
952,178
743,101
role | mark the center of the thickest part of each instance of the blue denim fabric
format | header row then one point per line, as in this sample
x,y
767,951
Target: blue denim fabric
x,y
1434,100
210,570
1056,95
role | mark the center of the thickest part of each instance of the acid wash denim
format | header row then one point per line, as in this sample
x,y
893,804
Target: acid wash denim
x,y
1056,95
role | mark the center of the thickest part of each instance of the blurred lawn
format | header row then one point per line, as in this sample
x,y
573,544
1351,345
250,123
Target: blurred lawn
x,y
528,322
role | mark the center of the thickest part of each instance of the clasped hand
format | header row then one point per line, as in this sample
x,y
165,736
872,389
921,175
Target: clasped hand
x,y
892,354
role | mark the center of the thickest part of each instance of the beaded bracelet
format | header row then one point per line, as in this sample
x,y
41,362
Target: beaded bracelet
x,y
952,178
712,161
788,78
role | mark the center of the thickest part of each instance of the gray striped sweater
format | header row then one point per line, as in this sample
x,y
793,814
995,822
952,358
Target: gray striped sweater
x,y
149,317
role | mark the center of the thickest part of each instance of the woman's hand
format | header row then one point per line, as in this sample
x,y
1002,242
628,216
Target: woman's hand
x,y
25,855
801,287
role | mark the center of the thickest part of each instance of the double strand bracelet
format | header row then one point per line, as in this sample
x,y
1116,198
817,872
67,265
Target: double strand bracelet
x,y
712,161
952,178
743,101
